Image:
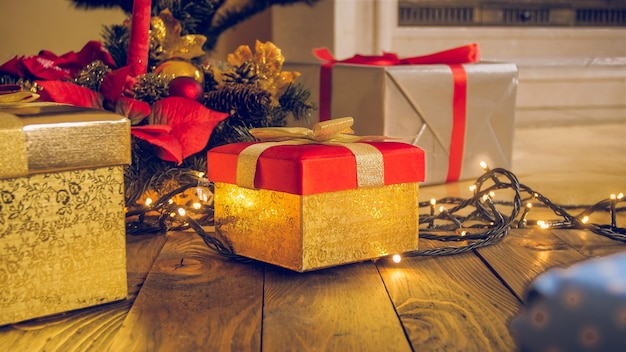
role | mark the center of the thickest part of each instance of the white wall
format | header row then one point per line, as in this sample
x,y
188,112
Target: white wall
x,y
348,27
28,26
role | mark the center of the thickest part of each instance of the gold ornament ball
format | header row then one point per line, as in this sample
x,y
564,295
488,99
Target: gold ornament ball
x,y
178,68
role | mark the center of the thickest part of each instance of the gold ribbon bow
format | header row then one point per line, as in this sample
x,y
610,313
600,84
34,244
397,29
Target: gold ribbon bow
x,y
17,98
331,131
369,160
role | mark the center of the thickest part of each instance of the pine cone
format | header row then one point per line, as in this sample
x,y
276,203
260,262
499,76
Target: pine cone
x,y
244,74
246,100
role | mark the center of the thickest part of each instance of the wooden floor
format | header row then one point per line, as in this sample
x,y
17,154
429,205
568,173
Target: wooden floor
x,y
183,297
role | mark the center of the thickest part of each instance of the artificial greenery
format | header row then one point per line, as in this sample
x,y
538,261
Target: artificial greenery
x,y
208,17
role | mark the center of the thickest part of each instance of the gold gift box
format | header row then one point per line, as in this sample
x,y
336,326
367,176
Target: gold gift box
x,y
62,221
320,230
309,230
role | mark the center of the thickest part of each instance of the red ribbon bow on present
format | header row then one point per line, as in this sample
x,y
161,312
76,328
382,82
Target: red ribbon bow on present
x,y
454,58
459,55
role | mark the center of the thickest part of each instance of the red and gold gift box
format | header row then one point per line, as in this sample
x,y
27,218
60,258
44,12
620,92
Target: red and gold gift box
x,y
458,109
311,206
62,221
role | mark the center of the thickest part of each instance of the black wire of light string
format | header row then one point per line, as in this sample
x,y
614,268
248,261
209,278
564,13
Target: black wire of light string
x,y
500,227
491,224
499,224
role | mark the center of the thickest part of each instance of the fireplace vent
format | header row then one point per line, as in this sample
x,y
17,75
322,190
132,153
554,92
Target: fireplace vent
x,y
429,15
514,13
601,17
524,16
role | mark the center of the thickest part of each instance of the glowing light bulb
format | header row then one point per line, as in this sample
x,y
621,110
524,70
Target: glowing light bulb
x,y
200,174
492,194
182,212
463,233
396,258
529,205
620,196
442,209
148,201
170,201
543,224
433,201
484,166
201,194
196,205
485,197
472,188
613,197
585,219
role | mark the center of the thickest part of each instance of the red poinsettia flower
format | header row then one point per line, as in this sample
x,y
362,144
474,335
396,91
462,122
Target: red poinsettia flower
x,y
48,66
113,89
178,127
135,110
161,137
116,84
69,93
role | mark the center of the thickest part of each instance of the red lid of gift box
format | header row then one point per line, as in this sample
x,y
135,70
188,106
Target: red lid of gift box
x,y
315,168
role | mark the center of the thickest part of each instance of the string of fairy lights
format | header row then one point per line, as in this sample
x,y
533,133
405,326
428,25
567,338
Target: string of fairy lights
x,y
459,224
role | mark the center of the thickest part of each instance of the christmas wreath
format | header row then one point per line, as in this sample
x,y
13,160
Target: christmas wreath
x,y
156,69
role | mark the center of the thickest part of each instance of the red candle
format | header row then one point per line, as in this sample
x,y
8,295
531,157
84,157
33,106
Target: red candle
x,y
139,43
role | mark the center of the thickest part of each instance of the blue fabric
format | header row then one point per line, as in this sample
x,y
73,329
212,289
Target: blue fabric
x,y
580,308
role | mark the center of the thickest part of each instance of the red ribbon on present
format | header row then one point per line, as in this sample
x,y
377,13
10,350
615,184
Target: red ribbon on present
x,y
454,58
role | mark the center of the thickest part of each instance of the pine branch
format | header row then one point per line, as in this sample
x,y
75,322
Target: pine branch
x,y
194,15
230,130
115,39
208,17
297,101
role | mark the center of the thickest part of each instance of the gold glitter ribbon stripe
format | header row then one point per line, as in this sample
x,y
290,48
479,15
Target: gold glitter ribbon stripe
x,y
13,157
369,164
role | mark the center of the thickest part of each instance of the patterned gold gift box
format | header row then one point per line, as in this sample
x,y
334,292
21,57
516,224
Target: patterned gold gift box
x,y
62,223
307,209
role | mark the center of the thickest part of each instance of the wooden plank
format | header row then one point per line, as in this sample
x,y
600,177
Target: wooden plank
x,y
526,253
141,251
91,328
450,303
194,299
590,244
344,308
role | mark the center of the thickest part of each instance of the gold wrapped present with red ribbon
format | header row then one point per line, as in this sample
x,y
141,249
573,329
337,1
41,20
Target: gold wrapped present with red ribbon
x,y
458,109
62,221
309,199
